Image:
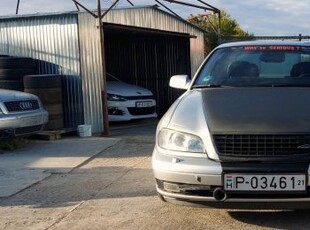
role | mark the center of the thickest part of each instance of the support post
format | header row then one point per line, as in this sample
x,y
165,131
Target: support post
x,y
17,6
104,88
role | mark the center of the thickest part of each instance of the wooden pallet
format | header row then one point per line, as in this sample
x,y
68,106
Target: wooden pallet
x,y
53,135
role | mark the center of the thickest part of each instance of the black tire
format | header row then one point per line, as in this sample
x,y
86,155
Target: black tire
x,y
47,95
15,74
55,117
13,85
17,63
54,124
42,81
54,109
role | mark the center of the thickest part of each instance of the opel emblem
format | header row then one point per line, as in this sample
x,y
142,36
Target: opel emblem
x,y
25,105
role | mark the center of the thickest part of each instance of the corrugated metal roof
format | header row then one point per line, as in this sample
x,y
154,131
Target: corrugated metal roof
x,y
115,9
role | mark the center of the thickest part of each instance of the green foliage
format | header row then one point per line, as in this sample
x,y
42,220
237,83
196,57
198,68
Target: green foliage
x,y
12,144
230,29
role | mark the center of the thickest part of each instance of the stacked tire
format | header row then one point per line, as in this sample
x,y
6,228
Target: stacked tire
x,y
13,69
49,89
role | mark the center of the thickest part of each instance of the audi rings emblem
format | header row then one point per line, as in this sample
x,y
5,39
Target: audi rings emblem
x,y
25,105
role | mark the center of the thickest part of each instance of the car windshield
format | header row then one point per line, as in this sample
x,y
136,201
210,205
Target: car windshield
x,y
256,65
110,77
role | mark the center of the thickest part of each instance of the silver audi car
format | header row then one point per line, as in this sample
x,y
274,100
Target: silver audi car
x,y
20,114
239,136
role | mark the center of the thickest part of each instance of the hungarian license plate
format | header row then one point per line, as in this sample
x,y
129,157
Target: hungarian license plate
x,y
142,104
269,182
31,121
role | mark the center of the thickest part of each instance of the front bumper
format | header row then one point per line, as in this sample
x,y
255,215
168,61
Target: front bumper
x,y
127,110
16,124
196,178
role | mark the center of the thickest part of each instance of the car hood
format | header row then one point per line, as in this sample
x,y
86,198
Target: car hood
x,y
243,111
124,89
6,95
257,110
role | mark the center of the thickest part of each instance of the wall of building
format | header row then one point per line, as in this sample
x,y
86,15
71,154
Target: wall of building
x,y
91,71
69,44
54,41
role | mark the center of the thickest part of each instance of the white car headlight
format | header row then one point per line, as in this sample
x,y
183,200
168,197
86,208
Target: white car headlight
x,y
114,97
177,141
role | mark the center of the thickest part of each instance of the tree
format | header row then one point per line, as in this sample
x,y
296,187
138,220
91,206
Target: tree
x,y
230,29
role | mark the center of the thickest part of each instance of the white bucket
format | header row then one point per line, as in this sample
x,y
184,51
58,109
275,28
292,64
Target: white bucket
x,y
84,130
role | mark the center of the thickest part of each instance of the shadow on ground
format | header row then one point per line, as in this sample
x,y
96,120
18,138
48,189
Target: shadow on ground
x,y
282,219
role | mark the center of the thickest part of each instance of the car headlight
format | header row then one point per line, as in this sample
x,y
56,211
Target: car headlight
x,y
177,141
114,97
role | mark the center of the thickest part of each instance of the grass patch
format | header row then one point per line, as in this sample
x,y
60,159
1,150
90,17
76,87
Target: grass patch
x,y
13,144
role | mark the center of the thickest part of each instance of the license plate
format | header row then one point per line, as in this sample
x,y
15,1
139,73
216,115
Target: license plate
x,y
244,182
31,121
142,104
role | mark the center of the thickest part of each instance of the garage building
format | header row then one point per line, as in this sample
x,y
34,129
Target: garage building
x,y
144,46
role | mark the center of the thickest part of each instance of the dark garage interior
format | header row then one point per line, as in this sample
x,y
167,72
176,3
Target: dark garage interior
x,y
147,58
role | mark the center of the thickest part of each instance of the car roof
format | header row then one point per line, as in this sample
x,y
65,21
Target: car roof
x,y
265,42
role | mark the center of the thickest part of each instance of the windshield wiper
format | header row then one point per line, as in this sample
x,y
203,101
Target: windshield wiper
x,y
207,86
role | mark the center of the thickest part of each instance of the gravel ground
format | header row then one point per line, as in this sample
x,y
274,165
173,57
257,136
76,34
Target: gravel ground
x,y
116,190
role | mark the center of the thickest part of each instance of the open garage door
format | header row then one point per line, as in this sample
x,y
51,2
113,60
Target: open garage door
x,y
147,58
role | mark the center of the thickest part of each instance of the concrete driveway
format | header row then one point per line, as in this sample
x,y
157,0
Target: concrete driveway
x,y
22,168
115,189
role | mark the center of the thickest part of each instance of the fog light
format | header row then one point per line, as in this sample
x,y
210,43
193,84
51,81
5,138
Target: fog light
x,y
180,188
115,111
169,187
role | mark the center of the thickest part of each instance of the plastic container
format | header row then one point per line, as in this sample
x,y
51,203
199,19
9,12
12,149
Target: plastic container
x,y
84,130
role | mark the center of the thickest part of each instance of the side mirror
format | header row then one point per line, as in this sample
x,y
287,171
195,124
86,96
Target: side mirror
x,y
180,82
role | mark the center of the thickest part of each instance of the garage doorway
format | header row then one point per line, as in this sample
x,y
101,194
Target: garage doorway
x,y
148,58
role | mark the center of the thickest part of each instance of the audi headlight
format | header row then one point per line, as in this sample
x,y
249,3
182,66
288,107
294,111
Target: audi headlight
x,y
114,97
177,141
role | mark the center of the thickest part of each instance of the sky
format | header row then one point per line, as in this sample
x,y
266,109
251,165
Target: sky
x,y
260,17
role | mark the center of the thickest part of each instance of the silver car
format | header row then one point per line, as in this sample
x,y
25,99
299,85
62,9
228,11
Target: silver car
x,y
20,114
239,136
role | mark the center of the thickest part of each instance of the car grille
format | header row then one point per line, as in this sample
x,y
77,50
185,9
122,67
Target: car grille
x,y
18,106
141,111
26,130
139,98
261,145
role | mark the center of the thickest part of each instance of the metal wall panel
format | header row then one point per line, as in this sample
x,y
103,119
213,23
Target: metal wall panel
x,y
53,40
91,71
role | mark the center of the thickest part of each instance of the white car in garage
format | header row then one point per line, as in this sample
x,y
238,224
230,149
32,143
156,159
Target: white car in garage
x,y
128,102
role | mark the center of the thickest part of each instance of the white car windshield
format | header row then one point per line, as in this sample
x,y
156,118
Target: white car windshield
x,y
256,65
110,77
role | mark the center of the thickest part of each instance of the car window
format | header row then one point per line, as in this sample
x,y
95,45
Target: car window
x,y
110,77
257,66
